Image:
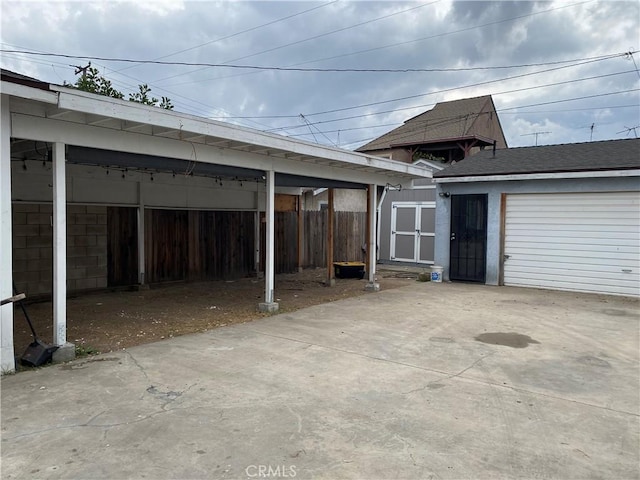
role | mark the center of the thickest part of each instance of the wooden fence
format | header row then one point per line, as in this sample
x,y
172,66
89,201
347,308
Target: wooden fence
x,y
212,245
349,231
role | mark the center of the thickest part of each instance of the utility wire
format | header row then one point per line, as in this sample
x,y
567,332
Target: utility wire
x,y
444,34
451,89
502,111
226,37
315,37
444,120
321,70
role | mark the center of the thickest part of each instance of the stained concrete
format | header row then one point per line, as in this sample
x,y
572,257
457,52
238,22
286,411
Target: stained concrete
x,y
388,385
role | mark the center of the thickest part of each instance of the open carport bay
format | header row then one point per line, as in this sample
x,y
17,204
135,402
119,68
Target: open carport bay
x,y
388,385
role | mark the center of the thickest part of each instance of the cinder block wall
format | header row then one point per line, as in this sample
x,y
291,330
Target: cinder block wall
x,y
33,248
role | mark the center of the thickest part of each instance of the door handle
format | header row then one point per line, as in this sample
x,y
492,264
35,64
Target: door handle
x,y
453,236
506,257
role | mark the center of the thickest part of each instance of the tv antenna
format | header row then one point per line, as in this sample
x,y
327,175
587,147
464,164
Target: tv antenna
x,y
536,135
627,130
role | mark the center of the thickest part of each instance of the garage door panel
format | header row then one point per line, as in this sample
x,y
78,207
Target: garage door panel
x,y
594,272
571,254
570,220
578,242
586,283
624,234
580,287
575,264
584,242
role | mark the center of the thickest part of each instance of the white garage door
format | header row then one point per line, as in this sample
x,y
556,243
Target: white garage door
x,y
588,242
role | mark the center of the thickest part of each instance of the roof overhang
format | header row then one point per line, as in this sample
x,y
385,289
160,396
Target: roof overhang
x,y
540,176
82,119
446,142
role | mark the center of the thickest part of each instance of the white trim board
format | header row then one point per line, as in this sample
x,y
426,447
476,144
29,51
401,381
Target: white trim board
x,y
540,176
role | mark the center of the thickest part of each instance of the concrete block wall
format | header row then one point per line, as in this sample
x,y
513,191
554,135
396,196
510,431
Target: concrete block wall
x,y
86,247
33,247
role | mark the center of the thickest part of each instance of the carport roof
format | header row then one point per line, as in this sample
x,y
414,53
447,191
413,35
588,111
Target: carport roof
x,y
573,157
34,103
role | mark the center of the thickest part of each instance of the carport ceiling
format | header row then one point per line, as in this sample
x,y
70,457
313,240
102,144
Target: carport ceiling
x,y
153,163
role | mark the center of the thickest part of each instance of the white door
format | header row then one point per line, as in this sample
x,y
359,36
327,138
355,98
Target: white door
x,y
413,231
586,242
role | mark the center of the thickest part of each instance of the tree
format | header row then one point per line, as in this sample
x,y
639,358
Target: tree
x,y
92,81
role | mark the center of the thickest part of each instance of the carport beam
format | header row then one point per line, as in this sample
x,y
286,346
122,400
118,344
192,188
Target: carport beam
x,y
7,361
269,268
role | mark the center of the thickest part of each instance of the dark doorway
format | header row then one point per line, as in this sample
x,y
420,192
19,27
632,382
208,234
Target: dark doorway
x,y
468,249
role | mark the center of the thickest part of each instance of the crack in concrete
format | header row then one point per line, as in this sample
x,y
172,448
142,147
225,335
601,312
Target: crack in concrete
x,y
456,375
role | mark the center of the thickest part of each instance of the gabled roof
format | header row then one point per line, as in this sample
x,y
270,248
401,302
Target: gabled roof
x,y
570,157
447,120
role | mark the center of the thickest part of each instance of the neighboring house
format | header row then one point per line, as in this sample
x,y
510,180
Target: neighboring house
x,y
447,134
99,192
563,217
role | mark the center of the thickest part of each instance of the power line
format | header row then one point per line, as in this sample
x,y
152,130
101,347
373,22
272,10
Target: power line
x,y
501,111
537,112
257,27
315,70
447,90
321,70
444,34
315,37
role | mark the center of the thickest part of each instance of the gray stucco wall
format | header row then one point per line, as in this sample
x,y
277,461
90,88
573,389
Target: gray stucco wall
x,y
494,191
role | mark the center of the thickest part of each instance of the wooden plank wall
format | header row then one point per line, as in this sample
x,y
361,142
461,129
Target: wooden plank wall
x,y
349,236
286,242
198,245
122,246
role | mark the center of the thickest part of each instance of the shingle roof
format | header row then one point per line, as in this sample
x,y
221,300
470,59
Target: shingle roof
x,y
446,120
570,157
13,77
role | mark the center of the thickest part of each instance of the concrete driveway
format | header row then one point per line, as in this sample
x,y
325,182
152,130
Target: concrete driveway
x,y
388,385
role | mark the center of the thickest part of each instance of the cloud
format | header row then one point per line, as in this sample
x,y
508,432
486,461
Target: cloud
x,y
437,35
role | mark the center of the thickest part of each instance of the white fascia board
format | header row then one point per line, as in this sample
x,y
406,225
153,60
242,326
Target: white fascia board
x,y
540,176
29,93
54,130
135,112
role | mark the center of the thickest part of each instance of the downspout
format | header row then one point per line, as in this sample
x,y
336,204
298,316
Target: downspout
x,y
384,194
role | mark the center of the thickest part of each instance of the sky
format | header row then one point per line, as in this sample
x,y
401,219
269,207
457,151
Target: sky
x,y
341,72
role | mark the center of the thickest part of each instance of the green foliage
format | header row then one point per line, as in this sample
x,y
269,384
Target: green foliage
x,y
92,81
85,351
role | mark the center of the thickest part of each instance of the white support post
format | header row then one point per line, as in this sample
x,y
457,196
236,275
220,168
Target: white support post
x,y
269,268
7,360
372,285
59,246
141,253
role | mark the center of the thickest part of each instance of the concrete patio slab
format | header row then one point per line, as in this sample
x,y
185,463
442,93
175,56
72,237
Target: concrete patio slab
x,y
388,385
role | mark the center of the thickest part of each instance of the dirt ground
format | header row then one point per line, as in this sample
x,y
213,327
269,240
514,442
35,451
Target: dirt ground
x,y
107,321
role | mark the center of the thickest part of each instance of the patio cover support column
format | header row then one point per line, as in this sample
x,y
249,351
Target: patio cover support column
x,y
300,233
372,285
331,280
141,252
269,265
66,351
7,360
